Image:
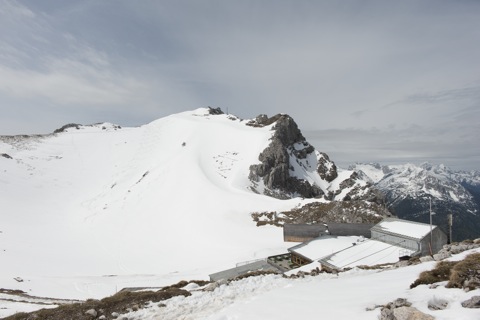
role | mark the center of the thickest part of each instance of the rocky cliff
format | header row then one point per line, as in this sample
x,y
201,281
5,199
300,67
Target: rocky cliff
x,y
281,163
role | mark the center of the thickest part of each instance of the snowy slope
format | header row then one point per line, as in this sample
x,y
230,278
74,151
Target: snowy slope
x,y
171,198
93,209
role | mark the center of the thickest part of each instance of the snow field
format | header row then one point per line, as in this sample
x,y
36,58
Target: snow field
x,y
169,198
346,296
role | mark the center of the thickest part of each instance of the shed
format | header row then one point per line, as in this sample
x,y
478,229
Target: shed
x,y
307,232
410,235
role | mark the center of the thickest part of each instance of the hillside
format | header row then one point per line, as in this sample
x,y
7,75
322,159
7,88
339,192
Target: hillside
x,y
172,198
91,209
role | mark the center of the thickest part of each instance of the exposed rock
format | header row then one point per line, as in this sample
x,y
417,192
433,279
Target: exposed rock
x,y
473,302
354,211
402,263
409,313
437,304
401,309
215,111
426,259
6,156
387,311
400,302
326,168
350,182
287,143
441,256
67,126
211,287
91,312
460,247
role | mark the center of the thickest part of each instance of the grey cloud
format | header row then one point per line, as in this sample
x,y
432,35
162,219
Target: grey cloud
x,y
331,65
346,147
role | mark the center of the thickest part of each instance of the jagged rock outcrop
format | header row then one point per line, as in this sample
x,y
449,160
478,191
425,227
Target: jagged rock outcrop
x,y
215,111
326,168
67,126
287,145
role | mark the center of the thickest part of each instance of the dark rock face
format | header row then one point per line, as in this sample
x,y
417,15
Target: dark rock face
x,y
6,156
67,126
275,166
215,111
326,172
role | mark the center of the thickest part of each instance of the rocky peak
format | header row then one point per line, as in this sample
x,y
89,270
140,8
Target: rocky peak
x,y
326,168
215,111
287,155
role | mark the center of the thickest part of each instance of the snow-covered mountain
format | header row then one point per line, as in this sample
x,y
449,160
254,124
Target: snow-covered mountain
x,y
172,198
409,188
88,210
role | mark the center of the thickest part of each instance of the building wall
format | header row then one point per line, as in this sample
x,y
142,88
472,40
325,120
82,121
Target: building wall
x,y
400,241
439,239
350,229
302,232
262,265
299,260
307,232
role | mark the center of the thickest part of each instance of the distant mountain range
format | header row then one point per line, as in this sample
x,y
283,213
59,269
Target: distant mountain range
x,y
408,190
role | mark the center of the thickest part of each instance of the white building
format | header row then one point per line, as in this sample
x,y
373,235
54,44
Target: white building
x,y
391,240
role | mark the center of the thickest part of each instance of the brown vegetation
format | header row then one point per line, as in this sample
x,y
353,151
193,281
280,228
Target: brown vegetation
x,y
122,302
463,274
354,211
466,273
440,273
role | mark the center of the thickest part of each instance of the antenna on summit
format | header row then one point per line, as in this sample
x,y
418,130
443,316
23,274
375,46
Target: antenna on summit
x,y
431,235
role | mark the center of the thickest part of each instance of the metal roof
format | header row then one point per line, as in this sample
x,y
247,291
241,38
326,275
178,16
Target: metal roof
x,y
404,228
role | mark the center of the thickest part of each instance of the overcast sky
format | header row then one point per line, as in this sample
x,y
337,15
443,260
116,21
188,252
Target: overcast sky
x,y
380,81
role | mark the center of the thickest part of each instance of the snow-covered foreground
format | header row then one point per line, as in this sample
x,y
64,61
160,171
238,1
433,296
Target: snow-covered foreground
x,y
347,295
92,210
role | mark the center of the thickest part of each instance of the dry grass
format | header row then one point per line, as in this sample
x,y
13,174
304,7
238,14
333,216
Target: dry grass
x,y
463,274
122,302
440,273
466,273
